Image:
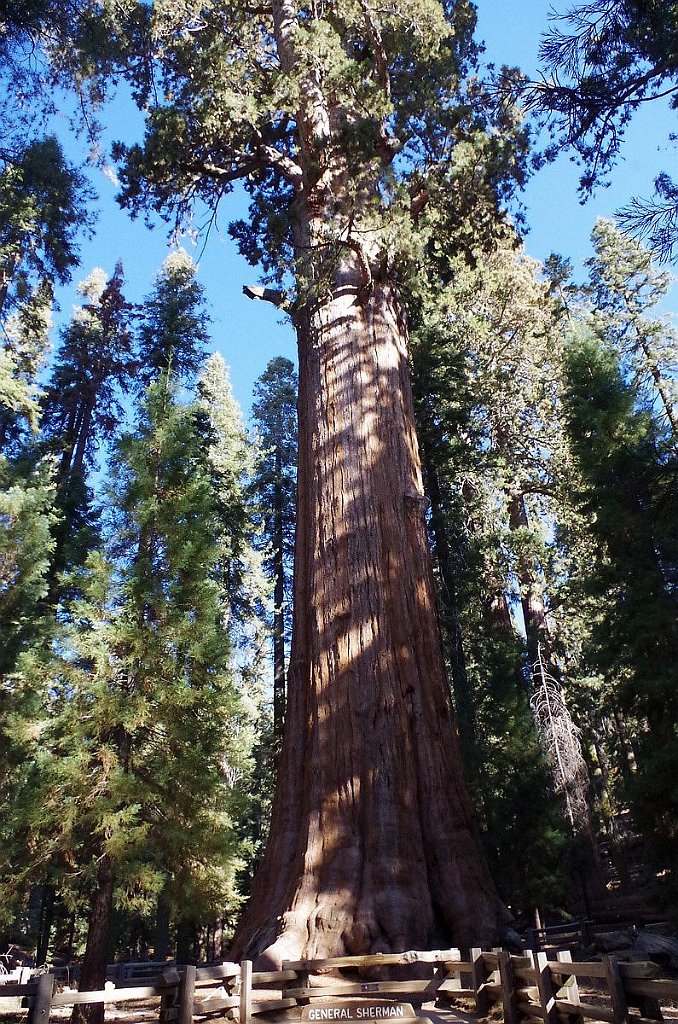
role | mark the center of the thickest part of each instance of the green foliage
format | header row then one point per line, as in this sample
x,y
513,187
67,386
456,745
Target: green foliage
x,y
82,409
27,518
81,405
173,330
616,56
248,98
627,480
24,344
624,290
274,411
229,456
512,783
43,208
128,732
274,493
26,546
483,355
143,701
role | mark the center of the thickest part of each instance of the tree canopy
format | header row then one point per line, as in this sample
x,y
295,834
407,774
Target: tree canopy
x,y
609,59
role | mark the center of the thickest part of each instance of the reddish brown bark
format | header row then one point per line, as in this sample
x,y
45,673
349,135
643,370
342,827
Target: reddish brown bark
x,y
93,972
371,845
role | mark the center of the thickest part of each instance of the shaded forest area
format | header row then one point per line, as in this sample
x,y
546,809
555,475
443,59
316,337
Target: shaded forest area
x,y
147,534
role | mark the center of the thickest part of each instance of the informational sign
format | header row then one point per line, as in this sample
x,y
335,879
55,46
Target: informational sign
x,y
358,1009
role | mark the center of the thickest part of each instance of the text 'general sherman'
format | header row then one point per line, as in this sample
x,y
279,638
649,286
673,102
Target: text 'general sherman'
x,y
358,1011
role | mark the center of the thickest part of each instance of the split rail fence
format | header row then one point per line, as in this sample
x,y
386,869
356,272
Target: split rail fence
x,y
531,987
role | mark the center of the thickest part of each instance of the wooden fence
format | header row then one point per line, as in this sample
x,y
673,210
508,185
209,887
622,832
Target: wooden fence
x,y
558,936
532,987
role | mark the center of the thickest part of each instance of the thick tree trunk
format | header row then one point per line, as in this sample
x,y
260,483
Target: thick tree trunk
x,y
93,973
371,845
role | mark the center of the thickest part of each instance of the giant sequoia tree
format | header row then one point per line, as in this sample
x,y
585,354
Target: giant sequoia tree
x,y
347,125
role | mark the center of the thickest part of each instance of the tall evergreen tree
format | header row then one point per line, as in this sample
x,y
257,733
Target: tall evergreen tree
x,y
81,407
231,457
479,358
310,110
173,332
274,486
627,495
82,398
145,694
43,208
624,290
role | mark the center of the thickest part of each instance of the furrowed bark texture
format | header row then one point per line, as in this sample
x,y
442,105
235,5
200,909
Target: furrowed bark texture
x,y
93,973
371,845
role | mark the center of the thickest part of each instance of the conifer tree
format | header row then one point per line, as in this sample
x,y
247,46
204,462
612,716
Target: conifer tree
x,y
311,108
274,487
173,331
43,207
626,482
146,700
624,290
230,457
22,353
245,588
477,360
81,407
27,515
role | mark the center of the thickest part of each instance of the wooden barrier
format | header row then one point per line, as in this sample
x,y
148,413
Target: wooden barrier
x,y
558,936
531,987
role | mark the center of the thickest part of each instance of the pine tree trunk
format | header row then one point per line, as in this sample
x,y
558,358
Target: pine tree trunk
x,y
574,779
93,973
371,845
162,927
46,922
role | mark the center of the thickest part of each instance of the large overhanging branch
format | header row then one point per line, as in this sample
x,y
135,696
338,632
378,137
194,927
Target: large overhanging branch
x,y
242,166
258,291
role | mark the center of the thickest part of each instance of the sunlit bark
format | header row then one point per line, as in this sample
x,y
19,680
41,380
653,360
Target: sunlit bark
x,y
372,846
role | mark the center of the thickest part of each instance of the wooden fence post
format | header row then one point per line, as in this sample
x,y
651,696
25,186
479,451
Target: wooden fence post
x,y
547,997
615,984
303,979
569,989
245,991
479,980
186,993
508,987
42,1002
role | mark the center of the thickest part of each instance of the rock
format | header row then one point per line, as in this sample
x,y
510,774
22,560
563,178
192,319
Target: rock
x,y
612,942
660,948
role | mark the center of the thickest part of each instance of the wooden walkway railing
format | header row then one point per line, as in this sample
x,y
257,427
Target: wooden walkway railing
x,y
533,986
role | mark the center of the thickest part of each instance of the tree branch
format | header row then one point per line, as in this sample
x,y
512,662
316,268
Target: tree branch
x,y
272,295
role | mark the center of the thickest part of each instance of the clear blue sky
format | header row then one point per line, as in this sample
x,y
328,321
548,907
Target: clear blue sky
x,y
250,333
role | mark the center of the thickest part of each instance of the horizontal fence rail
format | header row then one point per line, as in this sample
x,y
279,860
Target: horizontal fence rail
x,y
551,988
